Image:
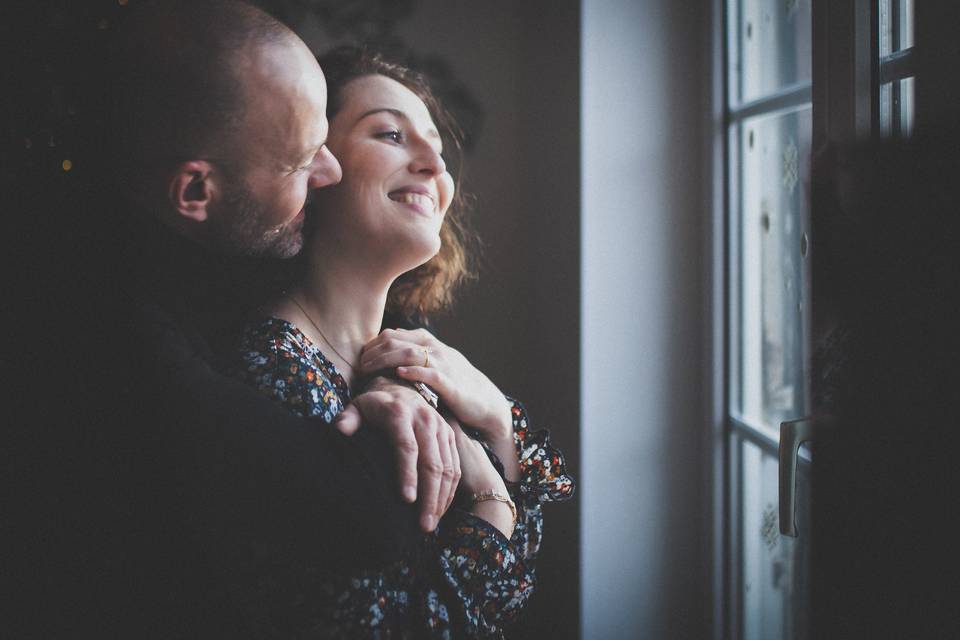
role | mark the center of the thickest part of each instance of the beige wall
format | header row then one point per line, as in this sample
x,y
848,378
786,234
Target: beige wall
x,y
645,357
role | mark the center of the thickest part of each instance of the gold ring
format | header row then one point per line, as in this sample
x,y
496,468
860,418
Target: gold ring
x,y
426,357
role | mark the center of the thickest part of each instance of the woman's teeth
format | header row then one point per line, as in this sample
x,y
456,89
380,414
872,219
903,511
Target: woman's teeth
x,y
408,197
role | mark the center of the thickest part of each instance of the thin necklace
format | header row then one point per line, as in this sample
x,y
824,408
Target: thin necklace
x,y
325,339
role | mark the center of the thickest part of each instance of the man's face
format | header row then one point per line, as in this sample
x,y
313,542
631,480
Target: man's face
x,y
282,153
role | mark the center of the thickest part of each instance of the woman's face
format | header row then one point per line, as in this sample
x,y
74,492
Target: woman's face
x,y
395,190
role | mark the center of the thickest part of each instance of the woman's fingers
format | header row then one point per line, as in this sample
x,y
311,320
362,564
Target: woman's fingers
x,y
396,355
399,347
433,377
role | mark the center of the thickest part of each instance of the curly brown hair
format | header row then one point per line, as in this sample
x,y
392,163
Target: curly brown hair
x,y
430,287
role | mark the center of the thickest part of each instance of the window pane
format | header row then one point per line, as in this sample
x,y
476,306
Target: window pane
x,y
896,26
906,24
906,107
897,108
774,567
774,46
773,210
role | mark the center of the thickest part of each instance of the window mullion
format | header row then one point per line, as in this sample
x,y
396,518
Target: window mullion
x,y
845,95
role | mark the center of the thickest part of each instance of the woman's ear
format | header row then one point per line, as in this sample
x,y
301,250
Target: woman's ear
x,y
190,190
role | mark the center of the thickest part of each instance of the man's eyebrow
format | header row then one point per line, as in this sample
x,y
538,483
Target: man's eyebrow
x,y
433,133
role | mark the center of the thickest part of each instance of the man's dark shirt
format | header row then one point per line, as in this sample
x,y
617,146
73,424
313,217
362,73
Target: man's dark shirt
x,y
176,494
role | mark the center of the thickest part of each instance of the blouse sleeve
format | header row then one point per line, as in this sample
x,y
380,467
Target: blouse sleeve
x,y
543,475
543,478
275,361
466,581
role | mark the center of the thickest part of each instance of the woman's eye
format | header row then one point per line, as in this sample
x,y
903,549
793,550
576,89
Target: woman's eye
x,y
393,134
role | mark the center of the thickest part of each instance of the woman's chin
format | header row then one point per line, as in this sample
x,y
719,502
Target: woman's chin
x,y
424,253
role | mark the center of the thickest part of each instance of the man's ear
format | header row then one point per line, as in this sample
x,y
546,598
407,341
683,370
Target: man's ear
x,y
190,189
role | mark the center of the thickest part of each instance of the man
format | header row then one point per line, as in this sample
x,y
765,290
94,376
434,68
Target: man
x,y
214,498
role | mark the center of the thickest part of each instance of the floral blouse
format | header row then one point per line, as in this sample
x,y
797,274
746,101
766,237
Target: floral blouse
x,y
466,579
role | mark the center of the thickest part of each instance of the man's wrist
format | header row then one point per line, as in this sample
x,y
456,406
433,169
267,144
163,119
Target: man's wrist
x,y
384,382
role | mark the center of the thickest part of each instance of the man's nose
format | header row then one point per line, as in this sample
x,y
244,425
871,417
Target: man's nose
x,y
325,170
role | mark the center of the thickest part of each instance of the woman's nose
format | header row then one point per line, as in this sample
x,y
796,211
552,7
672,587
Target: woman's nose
x,y
325,170
428,160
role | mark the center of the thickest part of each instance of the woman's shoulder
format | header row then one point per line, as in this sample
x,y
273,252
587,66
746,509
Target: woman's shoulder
x,y
275,336
277,358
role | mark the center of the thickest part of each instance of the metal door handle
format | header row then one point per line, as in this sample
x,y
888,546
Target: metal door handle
x,y
792,434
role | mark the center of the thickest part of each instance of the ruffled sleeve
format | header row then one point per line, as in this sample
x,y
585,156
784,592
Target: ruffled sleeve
x,y
543,471
543,478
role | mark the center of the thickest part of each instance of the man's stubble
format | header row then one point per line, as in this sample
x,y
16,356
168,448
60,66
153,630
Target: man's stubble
x,y
245,234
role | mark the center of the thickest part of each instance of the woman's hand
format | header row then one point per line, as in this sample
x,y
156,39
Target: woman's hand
x,y
470,395
479,475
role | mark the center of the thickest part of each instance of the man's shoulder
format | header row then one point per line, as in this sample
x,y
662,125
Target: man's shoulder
x,y
166,338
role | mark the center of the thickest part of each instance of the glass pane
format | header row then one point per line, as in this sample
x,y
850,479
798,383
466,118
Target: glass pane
x,y
897,108
886,110
774,567
773,212
906,24
774,46
906,107
896,26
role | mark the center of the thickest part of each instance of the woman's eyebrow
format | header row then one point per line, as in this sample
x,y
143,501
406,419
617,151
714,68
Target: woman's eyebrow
x,y
396,112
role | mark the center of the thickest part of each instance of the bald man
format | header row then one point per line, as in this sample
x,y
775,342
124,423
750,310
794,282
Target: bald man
x,y
215,498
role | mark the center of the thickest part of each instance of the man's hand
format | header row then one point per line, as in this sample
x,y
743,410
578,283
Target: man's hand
x,y
427,458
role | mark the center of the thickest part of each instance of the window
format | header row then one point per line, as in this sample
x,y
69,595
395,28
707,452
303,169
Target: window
x,y
799,75
769,132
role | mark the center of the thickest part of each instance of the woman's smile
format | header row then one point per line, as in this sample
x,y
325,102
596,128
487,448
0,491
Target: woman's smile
x,y
418,198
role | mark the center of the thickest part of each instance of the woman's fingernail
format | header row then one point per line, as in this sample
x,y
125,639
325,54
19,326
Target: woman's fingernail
x,y
410,493
401,369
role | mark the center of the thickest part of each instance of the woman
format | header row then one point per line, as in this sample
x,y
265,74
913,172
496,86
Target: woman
x,y
387,238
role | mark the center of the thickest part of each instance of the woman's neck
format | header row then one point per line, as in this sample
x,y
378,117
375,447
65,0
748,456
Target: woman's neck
x,y
339,310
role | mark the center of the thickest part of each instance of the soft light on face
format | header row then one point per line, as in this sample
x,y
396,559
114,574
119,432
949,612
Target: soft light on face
x,y
283,152
396,189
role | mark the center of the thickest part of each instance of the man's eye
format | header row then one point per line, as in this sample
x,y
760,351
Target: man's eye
x,y
393,134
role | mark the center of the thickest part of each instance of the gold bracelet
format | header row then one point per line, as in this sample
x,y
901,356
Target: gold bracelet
x,y
483,496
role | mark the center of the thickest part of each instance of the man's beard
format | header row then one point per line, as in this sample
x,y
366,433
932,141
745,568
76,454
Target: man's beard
x,y
245,233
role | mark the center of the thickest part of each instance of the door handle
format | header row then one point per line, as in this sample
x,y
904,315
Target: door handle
x,y
792,434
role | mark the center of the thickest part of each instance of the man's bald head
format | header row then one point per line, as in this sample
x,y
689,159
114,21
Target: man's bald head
x,y
180,77
221,124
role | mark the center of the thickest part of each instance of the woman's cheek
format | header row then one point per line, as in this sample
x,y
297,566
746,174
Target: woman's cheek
x,y
447,190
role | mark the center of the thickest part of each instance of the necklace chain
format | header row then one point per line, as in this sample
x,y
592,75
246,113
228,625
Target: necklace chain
x,y
325,339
